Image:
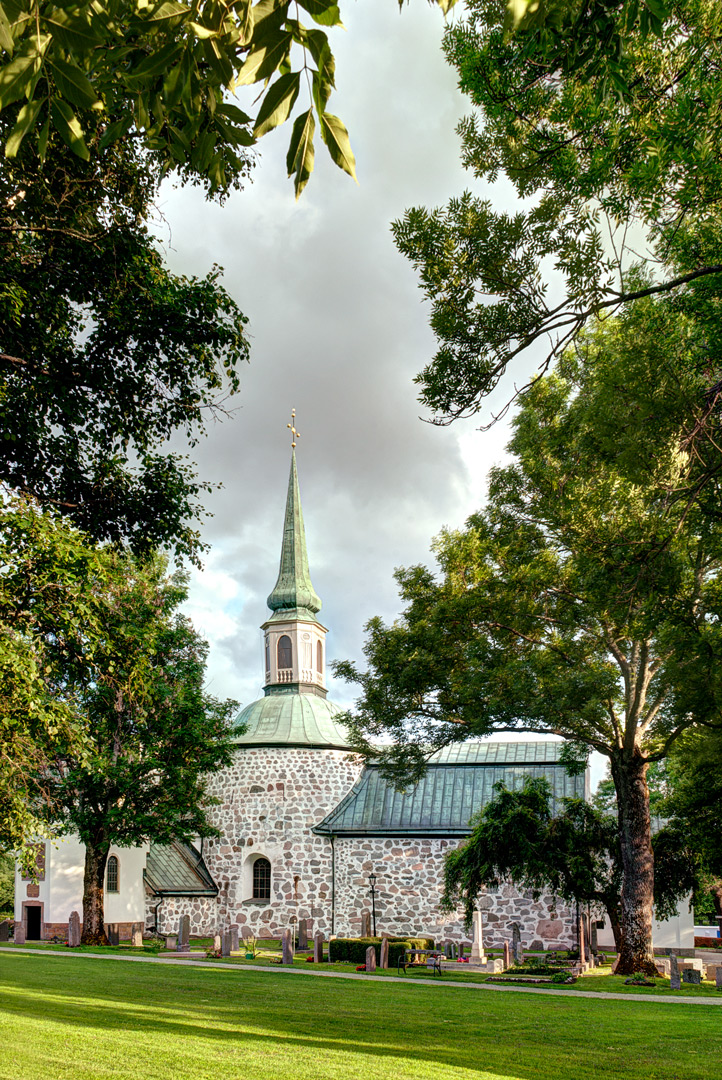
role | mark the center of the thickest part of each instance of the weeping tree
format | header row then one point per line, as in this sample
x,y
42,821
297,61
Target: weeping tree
x,y
584,599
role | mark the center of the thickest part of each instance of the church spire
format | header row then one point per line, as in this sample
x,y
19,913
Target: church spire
x,y
293,589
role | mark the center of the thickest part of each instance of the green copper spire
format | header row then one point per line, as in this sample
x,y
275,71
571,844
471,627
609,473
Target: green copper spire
x,y
294,590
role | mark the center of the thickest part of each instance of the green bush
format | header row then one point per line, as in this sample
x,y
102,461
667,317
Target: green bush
x,y
353,950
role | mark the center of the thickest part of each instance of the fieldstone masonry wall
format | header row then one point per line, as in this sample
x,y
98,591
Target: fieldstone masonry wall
x,y
270,799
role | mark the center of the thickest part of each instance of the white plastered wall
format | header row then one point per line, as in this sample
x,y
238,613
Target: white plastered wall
x,y
675,933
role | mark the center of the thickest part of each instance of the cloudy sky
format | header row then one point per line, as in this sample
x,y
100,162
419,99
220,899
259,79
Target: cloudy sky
x,y
338,331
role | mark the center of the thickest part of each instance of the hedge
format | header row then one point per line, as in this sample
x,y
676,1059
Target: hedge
x,y
353,950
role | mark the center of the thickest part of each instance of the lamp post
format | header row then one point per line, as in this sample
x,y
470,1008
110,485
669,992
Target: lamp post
x,y
372,883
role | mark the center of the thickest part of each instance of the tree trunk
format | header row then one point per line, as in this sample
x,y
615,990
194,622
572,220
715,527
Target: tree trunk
x,y
96,856
630,779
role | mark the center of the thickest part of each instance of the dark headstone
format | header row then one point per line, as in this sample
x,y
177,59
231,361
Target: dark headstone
x,y
113,933
184,934
74,930
461,950
19,933
384,957
365,924
447,950
371,958
318,948
718,977
302,934
5,930
690,975
593,942
226,943
516,945
675,983
234,938
287,947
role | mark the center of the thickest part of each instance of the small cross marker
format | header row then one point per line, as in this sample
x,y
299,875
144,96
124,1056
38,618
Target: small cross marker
x,y
294,434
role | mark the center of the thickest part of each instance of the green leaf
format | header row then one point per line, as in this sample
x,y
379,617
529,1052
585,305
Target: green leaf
x,y
66,124
74,85
321,92
6,39
18,77
202,32
155,63
246,20
300,156
76,34
115,131
277,104
323,12
166,11
263,61
320,50
26,120
234,113
335,135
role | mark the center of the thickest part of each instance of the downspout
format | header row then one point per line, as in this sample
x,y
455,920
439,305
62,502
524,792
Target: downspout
x,y
157,909
333,885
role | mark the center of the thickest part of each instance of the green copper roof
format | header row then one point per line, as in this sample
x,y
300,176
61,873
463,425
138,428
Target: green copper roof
x,y
292,720
177,869
294,590
458,784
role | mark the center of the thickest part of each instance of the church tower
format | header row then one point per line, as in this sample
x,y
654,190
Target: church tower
x,y
295,641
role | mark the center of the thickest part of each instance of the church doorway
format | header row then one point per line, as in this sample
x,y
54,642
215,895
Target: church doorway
x,y
32,923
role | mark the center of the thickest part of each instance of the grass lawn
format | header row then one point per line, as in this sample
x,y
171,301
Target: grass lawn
x,y
91,1020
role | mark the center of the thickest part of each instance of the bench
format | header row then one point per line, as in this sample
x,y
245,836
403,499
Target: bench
x,y
410,957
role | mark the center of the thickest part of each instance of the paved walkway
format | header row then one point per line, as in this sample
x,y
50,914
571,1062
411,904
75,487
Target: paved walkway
x,y
278,970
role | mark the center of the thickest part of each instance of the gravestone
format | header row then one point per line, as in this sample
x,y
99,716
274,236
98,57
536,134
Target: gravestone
x,y
447,950
5,930
461,950
184,933
234,938
226,943
19,933
365,924
74,930
318,948
593,945
662,965
507,955
675,983
113,934
287,947
371,958
302,934
384,957
718,977
136,935
516,945
171,941
691,975
582,944
454,951
217,943
477,947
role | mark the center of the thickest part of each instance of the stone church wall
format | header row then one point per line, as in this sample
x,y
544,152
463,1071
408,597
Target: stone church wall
x,y
269,800
409,881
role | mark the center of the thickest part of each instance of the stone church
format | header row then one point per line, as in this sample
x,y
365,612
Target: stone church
x,y
304,822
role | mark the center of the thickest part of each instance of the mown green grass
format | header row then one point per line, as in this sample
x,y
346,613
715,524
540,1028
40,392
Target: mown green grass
x,y
91,1020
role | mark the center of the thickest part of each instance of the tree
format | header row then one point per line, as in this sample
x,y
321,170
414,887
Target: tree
x,y
163,71
602,117
574,853
153,734
585,599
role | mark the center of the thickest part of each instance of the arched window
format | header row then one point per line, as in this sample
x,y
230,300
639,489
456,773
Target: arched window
x,y
261,879
112,874
319,657
268,657
285,652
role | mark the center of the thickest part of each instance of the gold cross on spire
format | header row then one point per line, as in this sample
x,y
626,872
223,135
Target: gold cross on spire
x,y
294,434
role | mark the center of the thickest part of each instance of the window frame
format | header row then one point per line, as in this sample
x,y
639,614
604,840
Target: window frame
x,y
114,863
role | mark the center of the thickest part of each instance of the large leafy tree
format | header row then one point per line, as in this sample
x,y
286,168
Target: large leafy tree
x,y
153,735
585,599
602,118
164,71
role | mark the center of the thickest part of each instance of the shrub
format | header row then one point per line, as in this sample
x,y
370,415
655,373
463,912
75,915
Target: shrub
x,y
353,950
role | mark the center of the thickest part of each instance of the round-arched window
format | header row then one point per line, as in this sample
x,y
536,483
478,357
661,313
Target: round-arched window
x,y
113,877
285,652
268,657
261,879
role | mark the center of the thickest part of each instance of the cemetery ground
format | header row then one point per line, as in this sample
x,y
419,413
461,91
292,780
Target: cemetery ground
x,y
268,953
77,1017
